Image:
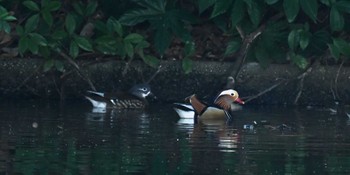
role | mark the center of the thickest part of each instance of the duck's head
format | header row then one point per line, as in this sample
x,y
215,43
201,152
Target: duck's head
x,y
141,90
226,98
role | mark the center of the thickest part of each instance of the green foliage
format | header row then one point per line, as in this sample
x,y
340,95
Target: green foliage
x,y
165,17
5,18
290,30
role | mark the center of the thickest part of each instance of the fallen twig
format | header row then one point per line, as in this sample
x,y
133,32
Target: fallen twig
x,y
77,68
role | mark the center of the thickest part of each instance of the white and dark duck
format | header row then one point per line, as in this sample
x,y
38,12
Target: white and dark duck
x,y
135,98
219,110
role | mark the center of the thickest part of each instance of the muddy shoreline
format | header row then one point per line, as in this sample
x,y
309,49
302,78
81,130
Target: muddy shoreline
x,y
276,85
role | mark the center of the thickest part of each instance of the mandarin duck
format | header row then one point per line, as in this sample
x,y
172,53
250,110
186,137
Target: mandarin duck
x,y
199,110
135,98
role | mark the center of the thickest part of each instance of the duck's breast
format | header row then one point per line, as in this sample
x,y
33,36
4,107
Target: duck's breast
x,y
212,113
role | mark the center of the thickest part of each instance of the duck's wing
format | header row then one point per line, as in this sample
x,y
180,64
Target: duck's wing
x,y
185,111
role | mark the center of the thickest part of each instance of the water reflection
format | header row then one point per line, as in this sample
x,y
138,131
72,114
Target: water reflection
x,y
39,137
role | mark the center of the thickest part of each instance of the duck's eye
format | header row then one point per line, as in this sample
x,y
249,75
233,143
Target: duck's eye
x,y
144,89
232,94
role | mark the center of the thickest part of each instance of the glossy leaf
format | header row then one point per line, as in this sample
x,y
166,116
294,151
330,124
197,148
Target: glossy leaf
x,y
134,38
70,23
91,8
129,49
304,39
31,5
189,48
220,7
238,12
299,60
10,18
138,16
293,39
262,56
48,65
33,47
23,44
114,25
342,45
83,43
291,9
32,23
232,47
334,51
310,7
162,40
205,4
73,49
47,17
20,30
151,61
59,34
254,12
325,2
59,65
54,5
5,26
78,8
336,19
38,39
187,65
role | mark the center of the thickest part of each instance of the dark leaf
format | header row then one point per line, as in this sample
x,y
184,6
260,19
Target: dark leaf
x,y
31,5
334,51
114,25
291,9
73,49
129,49
151,61
238,12
187,65
59,65
343,6
336,19
54,5
162,39
23,44
299,60
270,2
304,39
32,23
48,64
91,8
310,7
47,17
70,23
38,39
342,46
205,4
133,38
138,16
221,7
83,43
293,39
232,47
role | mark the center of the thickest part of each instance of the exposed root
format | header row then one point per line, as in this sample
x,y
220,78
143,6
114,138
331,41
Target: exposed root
x,y
160,68
264,91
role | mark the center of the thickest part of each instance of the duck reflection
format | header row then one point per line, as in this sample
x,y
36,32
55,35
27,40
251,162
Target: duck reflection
x,y
114,117
211,134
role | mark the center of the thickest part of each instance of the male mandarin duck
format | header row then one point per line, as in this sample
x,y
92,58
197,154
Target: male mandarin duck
x,y
220,110
135,98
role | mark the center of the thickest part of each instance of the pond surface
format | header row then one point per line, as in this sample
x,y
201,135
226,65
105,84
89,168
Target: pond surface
x,y
39,137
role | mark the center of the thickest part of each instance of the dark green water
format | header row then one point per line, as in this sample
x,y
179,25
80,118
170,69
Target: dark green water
x,y
51,138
